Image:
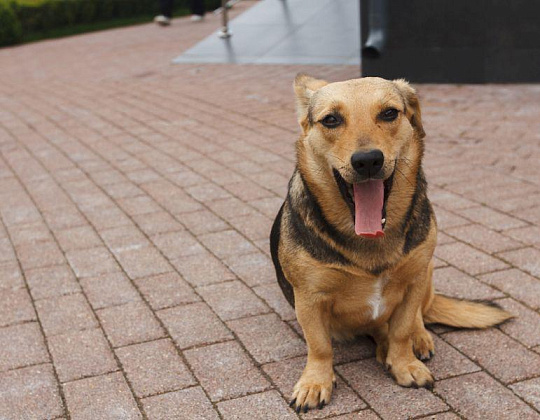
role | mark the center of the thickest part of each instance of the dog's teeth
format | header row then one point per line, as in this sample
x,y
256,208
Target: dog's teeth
x,y
383,221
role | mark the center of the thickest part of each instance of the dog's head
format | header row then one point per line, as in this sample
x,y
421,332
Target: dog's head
x,y
360,128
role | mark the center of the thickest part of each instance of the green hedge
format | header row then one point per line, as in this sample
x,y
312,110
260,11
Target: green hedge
x,y
20,19
10,27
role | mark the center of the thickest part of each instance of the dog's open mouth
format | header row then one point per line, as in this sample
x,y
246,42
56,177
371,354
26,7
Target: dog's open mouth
x,y
367,202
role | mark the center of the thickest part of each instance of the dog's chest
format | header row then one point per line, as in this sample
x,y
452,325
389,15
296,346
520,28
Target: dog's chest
x,y
376,301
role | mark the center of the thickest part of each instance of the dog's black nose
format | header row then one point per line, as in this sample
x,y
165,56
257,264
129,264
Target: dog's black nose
x,y
368,164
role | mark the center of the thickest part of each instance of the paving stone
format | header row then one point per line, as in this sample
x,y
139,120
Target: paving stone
x,y
361,415
527,234
109,290
483,238
65,313
527,259
491,218
225,371
154,368
81,237
143,262
124,238
135,206
232,300
468,259
166,290
15,307
21,345
451,282
178,244
30,234
202,222
30,393
159,222
203,269
44,254
285,374
529,391
207,192
268,338
518,284
269,405
226,243
80,354
193,324
442,416
479,396
101,397
51,282
187,404
122,190
271,293
268,206
447,219
64,218
380,391
92,262
253,269
129,324
497,353
448,362
525,327
10,276
254,226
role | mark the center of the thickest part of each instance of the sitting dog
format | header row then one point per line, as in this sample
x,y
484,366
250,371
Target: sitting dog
x,y
353,242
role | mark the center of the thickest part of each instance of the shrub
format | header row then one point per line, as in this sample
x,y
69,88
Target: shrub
x,y
21,18
10,27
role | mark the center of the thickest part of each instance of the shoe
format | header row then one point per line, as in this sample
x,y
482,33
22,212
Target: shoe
x,y
162,20
196,18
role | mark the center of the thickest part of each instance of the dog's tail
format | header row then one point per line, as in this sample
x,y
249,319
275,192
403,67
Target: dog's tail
x,y
465,313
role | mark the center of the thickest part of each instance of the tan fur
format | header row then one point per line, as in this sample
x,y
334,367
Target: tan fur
x,y
342,301
463,314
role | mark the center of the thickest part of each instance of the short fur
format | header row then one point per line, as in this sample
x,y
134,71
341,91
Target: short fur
x,y
341,284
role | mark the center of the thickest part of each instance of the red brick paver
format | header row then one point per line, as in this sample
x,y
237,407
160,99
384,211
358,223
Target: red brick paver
x,y
136,199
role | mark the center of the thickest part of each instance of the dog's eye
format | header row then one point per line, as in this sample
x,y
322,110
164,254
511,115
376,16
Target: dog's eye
x,y
389,114
331,121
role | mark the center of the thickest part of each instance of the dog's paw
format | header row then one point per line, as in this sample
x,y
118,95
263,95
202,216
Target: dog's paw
x,y
414,374
423,345
312,391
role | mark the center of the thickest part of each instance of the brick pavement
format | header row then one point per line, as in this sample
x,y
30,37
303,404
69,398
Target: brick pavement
x,y
136,198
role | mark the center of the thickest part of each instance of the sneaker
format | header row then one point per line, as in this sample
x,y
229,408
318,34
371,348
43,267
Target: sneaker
x,y
196,18
162,20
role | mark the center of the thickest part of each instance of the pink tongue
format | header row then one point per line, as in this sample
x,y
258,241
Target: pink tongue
x,y
368,204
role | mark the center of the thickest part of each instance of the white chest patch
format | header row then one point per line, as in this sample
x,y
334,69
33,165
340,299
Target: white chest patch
x,y
376,301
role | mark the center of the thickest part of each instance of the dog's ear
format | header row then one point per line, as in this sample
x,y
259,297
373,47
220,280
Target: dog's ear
x,y
304,88
413,105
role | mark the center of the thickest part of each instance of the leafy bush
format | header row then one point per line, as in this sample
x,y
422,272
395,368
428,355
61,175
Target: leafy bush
x,y
22,18
10,27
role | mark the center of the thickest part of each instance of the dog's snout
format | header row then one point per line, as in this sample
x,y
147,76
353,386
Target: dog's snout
x,y
368,164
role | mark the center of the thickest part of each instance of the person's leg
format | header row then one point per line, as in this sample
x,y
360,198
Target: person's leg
x,y
197,7
166,7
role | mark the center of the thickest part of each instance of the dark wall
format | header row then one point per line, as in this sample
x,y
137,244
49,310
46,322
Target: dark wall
x,y
457,41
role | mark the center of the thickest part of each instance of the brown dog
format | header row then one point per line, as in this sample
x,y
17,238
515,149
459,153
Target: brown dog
x,y
353,242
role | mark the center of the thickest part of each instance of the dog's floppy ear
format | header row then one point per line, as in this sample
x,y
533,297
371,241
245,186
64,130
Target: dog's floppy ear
x,y
304,88
413,105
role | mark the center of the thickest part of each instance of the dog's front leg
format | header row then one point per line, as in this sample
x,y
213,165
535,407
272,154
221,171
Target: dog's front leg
x,y
314,389
401,361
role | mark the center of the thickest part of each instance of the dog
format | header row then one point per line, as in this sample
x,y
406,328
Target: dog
x,y
352,244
